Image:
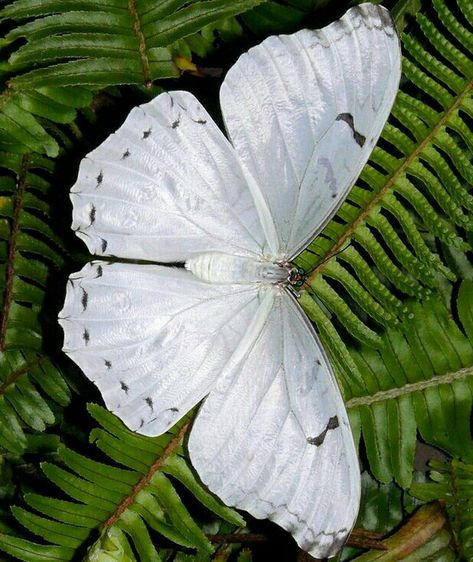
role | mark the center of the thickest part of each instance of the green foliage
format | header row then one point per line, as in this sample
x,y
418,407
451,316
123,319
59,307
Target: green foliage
x,y
30,250
453,484
390,291
420,380
74,48
127,505
424,538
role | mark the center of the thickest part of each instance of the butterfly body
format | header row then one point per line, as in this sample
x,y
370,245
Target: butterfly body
x,y
224,268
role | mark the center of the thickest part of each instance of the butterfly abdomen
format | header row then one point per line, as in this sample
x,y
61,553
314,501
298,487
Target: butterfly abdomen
x,y
216,267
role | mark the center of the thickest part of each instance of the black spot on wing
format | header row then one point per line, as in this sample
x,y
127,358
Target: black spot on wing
x,y
348,119
108,364
104,245
99,179
319,439
124,387
149,401
146,134
84,299
175,124
92,214
200,121
174,409
99,271
142,422
359,139
126,154
86,336
333,423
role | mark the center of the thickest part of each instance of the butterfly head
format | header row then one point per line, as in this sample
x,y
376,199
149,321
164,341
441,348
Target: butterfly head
x,y
296,276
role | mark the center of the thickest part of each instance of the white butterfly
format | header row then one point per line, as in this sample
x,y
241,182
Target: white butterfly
x,y
303,113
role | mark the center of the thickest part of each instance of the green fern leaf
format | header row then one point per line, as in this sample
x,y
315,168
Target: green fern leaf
x,y
29,250
127,504
76,43
269,17
73,48
421,379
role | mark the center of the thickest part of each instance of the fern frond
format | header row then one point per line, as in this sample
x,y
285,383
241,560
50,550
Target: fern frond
x,y
77,44
268,17
420,379
412,195
29,249
68,50
453,484
128,505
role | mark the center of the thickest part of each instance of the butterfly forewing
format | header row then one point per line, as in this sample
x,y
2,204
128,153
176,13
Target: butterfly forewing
x,y
165,187
304,112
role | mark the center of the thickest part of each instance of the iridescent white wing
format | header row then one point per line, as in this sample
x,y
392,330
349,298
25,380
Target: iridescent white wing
x,y
153,339
304,112
165,187
273,436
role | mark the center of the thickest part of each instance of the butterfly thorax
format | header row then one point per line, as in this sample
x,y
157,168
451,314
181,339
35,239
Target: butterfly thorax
x,y
216,267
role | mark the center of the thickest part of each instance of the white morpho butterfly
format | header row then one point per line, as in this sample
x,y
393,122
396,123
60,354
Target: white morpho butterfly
x,y
302,113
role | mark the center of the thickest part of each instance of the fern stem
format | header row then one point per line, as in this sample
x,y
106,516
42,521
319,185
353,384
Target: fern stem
x,y
15,375
143,482
457,522
10,269
403,168
409,388
141,42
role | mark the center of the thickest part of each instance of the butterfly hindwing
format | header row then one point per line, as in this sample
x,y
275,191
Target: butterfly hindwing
x,y
154,339
273,436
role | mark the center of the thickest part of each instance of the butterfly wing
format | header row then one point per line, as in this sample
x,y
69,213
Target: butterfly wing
x,y
165,187
304,112
273,436
153,339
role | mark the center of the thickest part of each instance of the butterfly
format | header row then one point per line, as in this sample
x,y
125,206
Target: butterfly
x,y
302,114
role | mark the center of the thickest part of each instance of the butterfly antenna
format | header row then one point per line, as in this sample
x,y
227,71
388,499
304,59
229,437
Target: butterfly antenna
x,y
306,286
